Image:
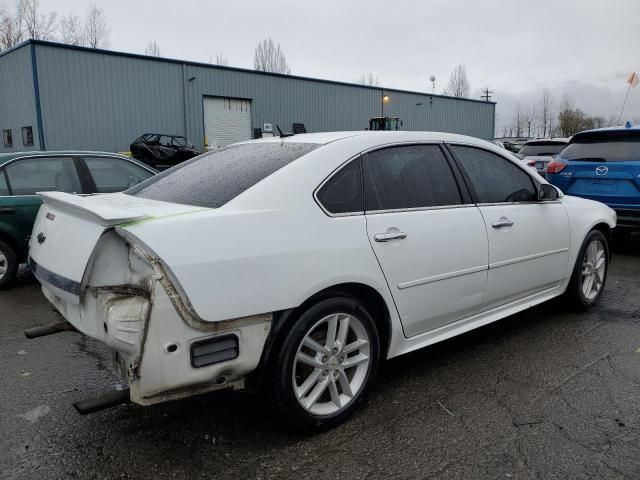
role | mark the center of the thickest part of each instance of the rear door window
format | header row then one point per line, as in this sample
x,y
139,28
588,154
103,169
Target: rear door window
x,y
494,179
412,176
43,174
213,179
115,174
4,189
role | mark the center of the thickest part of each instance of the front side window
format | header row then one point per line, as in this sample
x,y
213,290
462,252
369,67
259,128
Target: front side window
x,y
27,136
413,176
43,174
494,179
343,192
7,138
213,179
115,174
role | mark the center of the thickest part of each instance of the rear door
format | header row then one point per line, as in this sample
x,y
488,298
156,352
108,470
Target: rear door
x,y
25,177
528,240
428,237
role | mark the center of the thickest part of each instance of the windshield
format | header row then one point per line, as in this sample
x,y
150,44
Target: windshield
x,y
609,150
213,179
542,148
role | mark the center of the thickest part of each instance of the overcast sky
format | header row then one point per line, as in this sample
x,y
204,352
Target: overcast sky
x,y
582,47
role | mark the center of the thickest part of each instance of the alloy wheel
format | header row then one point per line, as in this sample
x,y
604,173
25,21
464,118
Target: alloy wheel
x,y
331,364
593,269
4,265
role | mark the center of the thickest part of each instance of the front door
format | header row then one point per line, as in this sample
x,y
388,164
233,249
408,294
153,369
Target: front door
x,y
431,245
528,240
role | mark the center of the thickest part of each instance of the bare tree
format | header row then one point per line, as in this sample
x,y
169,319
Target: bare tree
x,y
221,60
39,26
268,57
546,105
96,31
517,121
153,49
12,26
71,30
458,83
529,117
368,79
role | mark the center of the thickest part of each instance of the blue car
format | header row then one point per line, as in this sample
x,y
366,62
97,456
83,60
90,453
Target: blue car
x,y
603,165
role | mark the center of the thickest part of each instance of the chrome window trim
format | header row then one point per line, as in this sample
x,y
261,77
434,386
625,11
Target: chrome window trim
x,y
420,209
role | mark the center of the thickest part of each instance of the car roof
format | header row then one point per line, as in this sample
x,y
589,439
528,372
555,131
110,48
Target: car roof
x,y
375,137
608,132
5,157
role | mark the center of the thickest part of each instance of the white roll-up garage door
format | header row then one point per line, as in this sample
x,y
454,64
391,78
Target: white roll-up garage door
x,y
226,120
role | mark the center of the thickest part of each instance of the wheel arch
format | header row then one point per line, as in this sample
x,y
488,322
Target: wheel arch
x,y
371,298
10,240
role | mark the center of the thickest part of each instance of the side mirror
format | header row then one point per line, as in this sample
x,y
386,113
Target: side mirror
x,y
547,192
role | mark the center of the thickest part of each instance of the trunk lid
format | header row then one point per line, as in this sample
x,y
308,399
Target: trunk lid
x,y
68,227
613,183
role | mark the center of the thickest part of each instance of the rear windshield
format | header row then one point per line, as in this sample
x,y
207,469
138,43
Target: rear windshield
x,y
601,149
542,148
213,179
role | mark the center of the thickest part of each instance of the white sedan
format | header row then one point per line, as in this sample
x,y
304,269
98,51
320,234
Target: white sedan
x,y
299,263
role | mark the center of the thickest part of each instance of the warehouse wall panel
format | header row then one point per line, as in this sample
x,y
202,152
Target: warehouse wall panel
x,y
17,97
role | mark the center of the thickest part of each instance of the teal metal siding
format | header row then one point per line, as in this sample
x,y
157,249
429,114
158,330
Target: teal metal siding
x,y
97,99
17,97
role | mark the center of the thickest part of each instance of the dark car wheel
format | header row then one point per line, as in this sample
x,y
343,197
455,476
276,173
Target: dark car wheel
x,y
325,365
590,271
8,265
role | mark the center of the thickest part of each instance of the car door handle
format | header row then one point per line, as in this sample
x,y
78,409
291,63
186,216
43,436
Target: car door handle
x,y
385,237
7,210
503,222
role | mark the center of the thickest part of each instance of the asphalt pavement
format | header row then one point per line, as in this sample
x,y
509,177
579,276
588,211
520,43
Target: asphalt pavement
x,y
548,393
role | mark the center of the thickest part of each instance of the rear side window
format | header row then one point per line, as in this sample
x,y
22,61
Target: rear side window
x,y
612,148
43,174
343,192
494,179
115,174
213,179
413,176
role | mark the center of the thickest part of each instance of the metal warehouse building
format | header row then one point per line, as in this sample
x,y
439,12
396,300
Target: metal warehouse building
x,y
55,97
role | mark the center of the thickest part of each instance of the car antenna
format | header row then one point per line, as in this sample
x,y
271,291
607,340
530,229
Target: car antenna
x,y
283,135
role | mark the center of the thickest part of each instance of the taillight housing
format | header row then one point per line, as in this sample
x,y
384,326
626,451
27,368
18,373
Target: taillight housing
x,y
555,166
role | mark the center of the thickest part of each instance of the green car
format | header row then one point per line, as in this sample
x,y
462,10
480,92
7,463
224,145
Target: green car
x,y
22,174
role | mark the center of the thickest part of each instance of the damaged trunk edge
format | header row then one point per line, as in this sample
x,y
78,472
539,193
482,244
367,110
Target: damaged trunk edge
x,y
144,287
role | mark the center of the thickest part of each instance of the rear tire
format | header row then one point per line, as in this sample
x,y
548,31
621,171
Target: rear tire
x,y
590,271
8,265
325,365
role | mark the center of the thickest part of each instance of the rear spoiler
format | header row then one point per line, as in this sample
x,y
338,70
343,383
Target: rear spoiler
x,y
93,208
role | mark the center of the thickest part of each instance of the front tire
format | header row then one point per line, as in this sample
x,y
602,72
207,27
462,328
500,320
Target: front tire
x,y
8,265
590,271
325,365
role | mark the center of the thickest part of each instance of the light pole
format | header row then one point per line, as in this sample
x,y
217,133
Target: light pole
x,y
384,99
432,79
